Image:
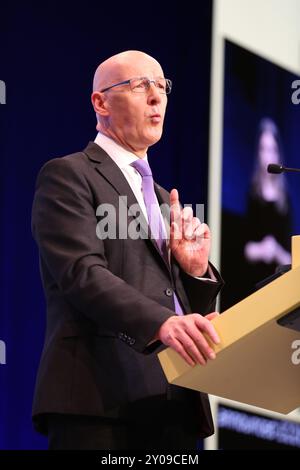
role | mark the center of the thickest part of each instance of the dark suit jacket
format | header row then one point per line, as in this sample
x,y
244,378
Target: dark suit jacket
x,y
106,299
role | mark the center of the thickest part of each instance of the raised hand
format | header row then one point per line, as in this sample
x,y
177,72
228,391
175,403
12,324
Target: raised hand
x,y
189,238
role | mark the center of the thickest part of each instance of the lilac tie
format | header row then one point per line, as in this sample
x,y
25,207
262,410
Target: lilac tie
x,y
156,224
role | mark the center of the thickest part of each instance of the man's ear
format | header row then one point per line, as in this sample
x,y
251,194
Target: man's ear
x,y
99,103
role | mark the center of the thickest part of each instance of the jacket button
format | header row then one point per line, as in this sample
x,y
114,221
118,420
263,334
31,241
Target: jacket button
x,y
169,292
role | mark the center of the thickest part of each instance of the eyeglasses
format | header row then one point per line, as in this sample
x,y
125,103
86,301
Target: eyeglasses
x,y
142,85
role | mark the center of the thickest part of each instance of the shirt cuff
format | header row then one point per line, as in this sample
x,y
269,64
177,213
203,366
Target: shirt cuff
x,y
208,276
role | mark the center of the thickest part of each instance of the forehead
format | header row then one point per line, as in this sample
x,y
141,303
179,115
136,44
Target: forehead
x,y
143,67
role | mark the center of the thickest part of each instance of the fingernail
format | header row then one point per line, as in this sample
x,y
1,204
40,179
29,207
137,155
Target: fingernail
x,y
212,355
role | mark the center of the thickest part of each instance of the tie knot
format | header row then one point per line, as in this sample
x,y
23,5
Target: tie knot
x,y
142,167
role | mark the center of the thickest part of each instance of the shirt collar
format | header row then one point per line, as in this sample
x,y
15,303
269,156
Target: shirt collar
x,y
119,155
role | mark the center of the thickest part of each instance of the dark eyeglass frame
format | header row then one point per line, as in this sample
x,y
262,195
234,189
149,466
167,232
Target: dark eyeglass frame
x,y
155,81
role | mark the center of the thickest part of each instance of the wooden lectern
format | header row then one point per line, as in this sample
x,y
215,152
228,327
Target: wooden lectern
x,y
258,359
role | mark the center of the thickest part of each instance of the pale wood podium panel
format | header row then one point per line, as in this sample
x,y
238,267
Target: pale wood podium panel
x,y
254,359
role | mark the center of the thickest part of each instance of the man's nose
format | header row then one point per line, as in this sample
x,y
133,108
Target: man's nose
x,y
154,96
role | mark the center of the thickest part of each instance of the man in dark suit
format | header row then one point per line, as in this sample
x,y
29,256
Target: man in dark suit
x,y
114,301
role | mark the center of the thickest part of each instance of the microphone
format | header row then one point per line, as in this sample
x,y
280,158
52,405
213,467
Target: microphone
x,y
276,169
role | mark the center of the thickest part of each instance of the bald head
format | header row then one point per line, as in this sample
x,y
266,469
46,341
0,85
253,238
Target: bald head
x,y
117,68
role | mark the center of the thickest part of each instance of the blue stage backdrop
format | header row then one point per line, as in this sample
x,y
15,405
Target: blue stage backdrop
x,y
48,54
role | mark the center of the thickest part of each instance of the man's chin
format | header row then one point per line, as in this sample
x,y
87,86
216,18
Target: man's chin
x,y
154,137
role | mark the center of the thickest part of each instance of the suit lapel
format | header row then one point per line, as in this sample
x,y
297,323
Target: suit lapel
x,y
163,198
112,173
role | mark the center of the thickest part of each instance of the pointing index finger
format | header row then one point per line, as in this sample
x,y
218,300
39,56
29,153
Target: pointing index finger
x,y
175,206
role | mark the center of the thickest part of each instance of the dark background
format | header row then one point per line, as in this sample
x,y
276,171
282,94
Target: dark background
x,y
48,55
